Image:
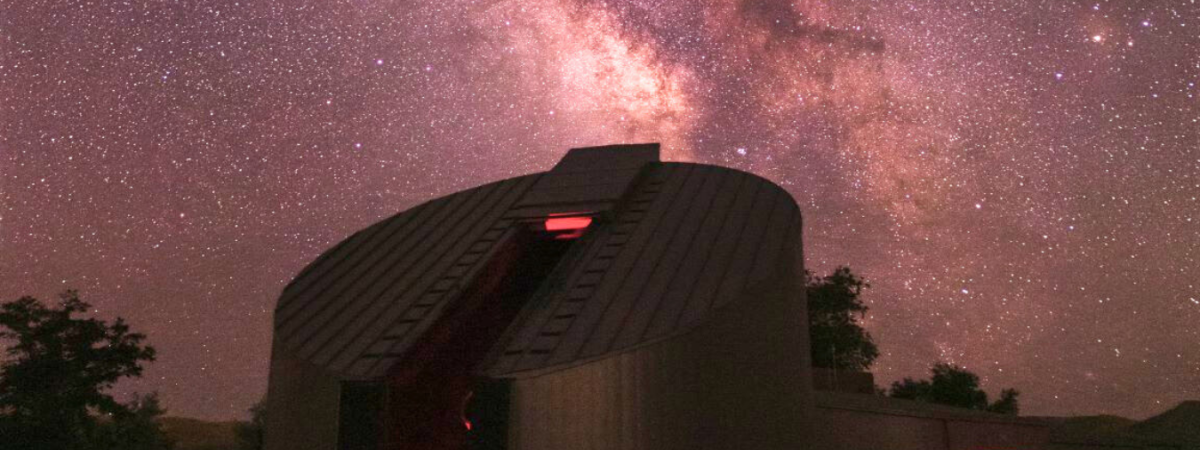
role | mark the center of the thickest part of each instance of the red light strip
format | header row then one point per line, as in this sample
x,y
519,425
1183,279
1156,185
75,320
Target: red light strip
x,y
567,223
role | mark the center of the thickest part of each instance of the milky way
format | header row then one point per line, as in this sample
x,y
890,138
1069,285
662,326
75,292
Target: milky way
x,y
1017,180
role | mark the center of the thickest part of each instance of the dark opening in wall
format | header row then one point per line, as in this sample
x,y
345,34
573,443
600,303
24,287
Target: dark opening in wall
x,y
429,393
487,412
359,417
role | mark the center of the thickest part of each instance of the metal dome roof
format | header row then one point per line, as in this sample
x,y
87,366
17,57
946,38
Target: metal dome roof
x,y
671,243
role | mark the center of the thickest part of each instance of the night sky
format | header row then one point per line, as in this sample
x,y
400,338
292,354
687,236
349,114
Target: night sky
x,y
1017,180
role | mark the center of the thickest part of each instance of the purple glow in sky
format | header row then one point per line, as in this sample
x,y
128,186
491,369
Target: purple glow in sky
x,y
1018,180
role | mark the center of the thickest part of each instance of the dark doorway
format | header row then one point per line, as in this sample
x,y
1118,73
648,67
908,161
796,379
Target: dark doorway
x,y
359,418
430,390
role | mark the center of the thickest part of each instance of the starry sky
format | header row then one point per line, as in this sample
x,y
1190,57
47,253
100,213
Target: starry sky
x,y
1016,179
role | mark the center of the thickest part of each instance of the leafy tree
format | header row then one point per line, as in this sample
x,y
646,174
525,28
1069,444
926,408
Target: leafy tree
x,y
250,434
838,341
136,429
910,389
954,386
58,367
1006,404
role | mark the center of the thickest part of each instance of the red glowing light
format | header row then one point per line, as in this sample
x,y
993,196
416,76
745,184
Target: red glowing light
x,y
462,415
567,223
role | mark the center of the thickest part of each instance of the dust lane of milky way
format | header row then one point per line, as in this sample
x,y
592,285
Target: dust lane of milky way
x,y
1016,179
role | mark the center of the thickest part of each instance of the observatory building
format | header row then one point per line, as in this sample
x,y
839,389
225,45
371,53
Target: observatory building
x,y
615,301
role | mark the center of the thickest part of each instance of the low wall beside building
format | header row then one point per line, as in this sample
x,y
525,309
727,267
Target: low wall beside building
x,y
868,422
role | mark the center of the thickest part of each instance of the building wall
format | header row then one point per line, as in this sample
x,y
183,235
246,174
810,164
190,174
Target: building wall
x,y
981,435
738,381
302,405
864,422
852,430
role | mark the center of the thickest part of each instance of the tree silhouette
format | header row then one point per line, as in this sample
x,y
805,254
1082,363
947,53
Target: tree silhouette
x,y
838,341
954,386
250,434
1007,403
136,429
58,367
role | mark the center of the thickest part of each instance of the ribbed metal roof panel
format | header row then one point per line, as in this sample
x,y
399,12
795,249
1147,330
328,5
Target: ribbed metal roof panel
x,y
417,293
358,291
689,238
381,272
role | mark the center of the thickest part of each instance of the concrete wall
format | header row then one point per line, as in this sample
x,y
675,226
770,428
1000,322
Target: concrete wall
x,y
856,421
302,405
739,381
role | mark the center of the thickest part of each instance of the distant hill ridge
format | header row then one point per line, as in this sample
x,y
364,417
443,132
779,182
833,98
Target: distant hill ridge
x,y
1177,428
1180,424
